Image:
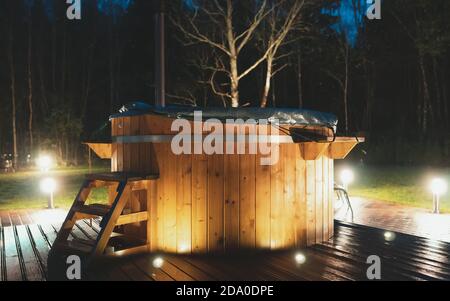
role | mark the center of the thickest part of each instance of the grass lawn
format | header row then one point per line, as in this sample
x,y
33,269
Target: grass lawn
x,y
21,190
400,185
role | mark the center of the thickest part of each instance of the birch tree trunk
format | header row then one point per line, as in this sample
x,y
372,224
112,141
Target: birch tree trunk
x,y
266,89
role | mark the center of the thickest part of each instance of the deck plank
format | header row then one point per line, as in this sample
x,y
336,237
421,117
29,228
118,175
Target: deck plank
x,y
146,265
40,244
13,267
33,268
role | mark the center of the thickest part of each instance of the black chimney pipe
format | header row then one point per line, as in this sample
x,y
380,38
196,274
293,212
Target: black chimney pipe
x,y
160,57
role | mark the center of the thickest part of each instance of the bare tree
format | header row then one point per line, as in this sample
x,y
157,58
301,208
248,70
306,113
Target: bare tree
x,y
226,40
281,21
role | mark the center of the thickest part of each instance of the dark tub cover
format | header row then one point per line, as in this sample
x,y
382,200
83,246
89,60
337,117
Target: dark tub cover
x,y
285,116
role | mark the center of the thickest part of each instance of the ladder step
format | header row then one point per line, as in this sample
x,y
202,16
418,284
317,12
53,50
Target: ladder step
x,y
94,209
132,218
122,177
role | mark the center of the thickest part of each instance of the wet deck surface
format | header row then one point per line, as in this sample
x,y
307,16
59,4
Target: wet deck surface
x,y
24,250
393,217
28,217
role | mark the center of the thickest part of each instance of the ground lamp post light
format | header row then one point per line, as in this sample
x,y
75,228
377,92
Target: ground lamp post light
x,y
48,186
438,187
347,177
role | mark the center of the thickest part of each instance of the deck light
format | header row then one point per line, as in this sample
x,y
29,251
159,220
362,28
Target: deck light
x,y
438,187
389,236
158,262
44,163
48,186
300,258
183,248
347,177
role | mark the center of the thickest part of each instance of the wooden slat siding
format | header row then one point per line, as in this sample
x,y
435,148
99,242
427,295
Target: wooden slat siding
x,y
232,201
114,146
247,204
127,147
215,203
13,268
170,183
120,146
143,203
199,203
146,150
135,165
331,198
325,197
160,243
276,201
300,199
152,203
262,213
289,195
311,202
319,199
134,205
184,203
32,265
289,212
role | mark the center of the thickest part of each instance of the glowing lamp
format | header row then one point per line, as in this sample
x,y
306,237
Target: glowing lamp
x,y
438,187
300,258
44,163
158,262
389,236
48,186
347,177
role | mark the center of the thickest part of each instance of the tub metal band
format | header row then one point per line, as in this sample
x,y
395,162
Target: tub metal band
x,y
195,138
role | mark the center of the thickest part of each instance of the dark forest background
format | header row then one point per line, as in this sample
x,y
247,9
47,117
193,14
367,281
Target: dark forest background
x,y
60,79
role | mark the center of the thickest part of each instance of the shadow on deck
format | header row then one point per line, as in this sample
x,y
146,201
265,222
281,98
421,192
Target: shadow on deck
x,y
24,251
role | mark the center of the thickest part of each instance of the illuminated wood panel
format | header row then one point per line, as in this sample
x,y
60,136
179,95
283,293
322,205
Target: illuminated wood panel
x,y
214,203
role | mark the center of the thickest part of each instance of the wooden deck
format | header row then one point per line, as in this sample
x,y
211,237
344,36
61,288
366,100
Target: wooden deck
x,y
24,250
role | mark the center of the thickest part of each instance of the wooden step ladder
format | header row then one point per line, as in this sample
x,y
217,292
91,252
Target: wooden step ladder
x,y
111,215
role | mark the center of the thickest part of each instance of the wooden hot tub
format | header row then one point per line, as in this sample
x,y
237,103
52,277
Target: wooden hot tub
x,y
221,202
